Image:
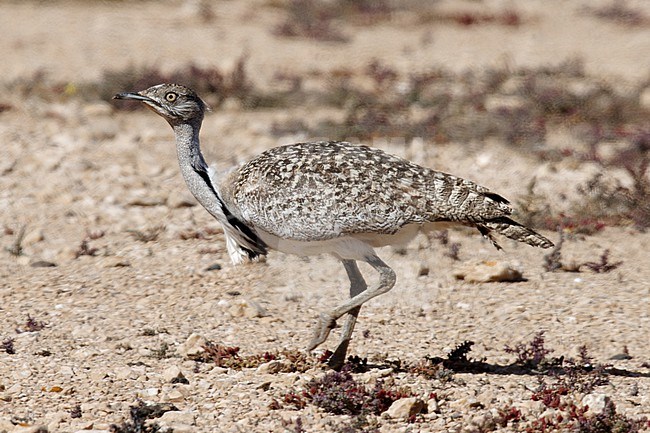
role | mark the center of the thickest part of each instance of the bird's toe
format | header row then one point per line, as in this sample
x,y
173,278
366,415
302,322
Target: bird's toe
x,y
325,324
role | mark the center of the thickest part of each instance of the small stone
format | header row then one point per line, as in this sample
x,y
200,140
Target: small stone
x,y
405,408
33,237
67,254
16,388
7,166
88,407
481,422
193,345
644,98
485,271
6,425
83,331
124,373
271,367
173,395
178,417
172,373
432,406
146,201
623,356
214,267
30,429
67,371
56,418
114,262
532,407
549,414
96,375
463,403
634,390
42,264
596,402
247,308
91,430
24,374
150,392
495,103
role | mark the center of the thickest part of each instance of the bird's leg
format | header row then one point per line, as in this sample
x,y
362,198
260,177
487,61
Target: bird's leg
x,y
357,285
327,321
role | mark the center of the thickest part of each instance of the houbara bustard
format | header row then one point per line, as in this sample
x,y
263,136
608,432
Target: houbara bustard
x,y
327,197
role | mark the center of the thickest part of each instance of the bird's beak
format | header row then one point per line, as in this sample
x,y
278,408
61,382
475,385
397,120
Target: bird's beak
x,y
132,95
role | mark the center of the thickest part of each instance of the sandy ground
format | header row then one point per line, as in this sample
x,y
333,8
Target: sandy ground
x,y
71,168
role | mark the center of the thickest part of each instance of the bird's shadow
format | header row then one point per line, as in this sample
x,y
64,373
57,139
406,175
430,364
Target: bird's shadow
x,y
458,362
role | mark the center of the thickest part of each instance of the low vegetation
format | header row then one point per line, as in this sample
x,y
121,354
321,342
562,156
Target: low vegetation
x,y
518,107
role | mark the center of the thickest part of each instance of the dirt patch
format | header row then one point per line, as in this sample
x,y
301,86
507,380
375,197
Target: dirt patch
x,y
109,271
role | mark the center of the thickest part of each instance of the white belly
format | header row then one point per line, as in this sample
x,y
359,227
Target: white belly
x,y
357,246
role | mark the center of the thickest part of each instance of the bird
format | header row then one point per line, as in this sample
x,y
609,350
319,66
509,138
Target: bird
x,y
327,197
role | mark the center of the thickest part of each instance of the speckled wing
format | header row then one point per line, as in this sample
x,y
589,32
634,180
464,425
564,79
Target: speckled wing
x,y
323,190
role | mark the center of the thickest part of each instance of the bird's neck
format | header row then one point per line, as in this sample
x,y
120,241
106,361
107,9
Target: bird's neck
x,y
194,168
205,189
188,147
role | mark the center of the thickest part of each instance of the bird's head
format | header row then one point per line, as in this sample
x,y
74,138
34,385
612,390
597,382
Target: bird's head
x,y
176,103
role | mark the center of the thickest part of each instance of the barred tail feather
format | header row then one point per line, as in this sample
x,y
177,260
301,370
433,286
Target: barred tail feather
x,y
513,230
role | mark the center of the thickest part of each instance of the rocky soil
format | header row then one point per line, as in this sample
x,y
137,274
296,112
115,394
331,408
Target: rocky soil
x,y
112,279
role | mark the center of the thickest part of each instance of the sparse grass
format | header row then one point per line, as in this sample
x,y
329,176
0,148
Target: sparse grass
x,y
85,249
572,378
148,235
582,374
310,19
214,85
8,346
228,356
507,17
514,106
140,414
533,354
360,424
150,332
75,412
432,369
517,107
32,325
443,369
16,248
338,393
533,209
452,248
163,352
604,199
321,21
571,415
553,260
603,264
619,12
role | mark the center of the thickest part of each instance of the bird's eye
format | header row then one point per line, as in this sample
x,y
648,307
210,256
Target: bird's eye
x,y
171,96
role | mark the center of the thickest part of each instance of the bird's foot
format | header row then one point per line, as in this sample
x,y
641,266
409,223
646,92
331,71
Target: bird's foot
x,y
325,324
337,359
